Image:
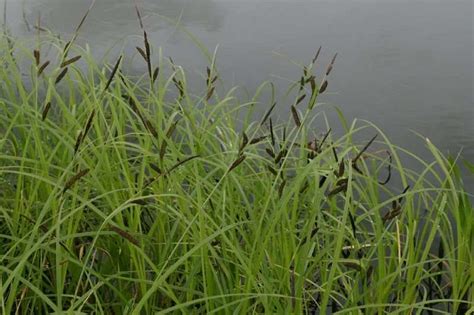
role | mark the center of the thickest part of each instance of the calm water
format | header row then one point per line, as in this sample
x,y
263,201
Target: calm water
x,y
404,65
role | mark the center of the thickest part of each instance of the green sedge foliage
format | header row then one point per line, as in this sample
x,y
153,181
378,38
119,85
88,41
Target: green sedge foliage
x,y
134,195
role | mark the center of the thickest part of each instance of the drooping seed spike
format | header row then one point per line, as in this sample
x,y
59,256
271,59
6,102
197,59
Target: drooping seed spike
x,y
245,141
340,172
61,76
300,99
312,82
301,83
271,133
88,124
139,15
272,170
335,153
317,55
125,235
270,152
37,55
322,180
353,225
142,53
338,189
389,170
43,66
258,140
156,168
323,87
326,135
331,65
267,114
404,192
74,179
155,74
296,118
114,71
280,156
236,163
364,149
70,61
78,142
209,93
46,110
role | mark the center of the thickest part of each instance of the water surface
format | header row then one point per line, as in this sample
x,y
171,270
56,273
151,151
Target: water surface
x,y
404,65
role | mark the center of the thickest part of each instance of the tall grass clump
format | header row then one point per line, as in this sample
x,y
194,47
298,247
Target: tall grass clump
x,y
135,195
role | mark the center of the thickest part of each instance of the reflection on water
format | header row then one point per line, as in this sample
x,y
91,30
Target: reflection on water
x,y
111,19
403,65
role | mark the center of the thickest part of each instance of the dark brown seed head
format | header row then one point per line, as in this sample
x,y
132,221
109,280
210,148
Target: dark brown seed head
x,y
43,66
300,99
37,55
139,15
272,170
70,61
317,55
301,83
78,142
61,76
271,133
156,168
74,179
335,153
142,53
340,172
404,192
270,152
163,147
181,163
322,180
312,82
258,139
209,93
125,235
326,135
245,141
296,118
353,225
150,128
363,150
172,128
236,163
114,71
46,110
323,87
280,155
267,114
331,65
338,189
342,181
155,74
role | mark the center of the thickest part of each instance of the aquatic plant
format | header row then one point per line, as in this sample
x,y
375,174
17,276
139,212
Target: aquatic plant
x,y
122,194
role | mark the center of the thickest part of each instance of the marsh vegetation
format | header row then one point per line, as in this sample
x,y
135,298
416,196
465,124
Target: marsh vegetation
x,y
124,194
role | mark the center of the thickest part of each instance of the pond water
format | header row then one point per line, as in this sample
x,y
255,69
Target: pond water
x,y
404,65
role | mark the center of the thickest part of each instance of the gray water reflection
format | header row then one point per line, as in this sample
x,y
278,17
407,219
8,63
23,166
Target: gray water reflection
x,y
404,65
